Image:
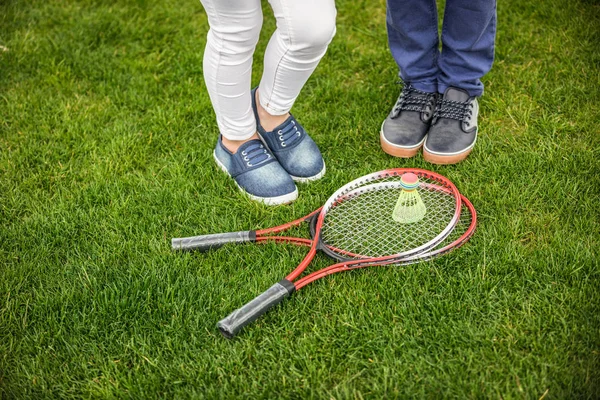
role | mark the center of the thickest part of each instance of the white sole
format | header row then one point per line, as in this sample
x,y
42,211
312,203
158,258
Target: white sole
x,y
301,179
270,201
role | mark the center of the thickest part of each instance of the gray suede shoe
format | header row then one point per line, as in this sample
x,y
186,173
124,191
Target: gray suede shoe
x,y
453,130
403,131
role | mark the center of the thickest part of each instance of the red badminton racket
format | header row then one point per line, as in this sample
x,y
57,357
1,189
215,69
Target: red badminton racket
x,y
370,221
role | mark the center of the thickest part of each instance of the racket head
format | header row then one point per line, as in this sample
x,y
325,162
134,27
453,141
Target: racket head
x,y
462,232
356,221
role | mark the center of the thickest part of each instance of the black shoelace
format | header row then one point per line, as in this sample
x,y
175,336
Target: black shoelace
x,y
457,110
412,99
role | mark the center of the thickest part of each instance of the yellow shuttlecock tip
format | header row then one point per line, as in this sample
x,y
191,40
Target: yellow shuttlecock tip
x,y
409,207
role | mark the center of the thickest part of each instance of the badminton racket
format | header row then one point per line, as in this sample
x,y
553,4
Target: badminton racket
x,y
358,227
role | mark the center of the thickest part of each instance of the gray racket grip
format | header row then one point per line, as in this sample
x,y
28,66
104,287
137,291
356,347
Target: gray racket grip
x,y
234,322
213,241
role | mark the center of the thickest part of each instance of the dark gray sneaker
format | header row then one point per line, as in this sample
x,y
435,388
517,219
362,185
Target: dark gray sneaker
x,y
453,130
403,131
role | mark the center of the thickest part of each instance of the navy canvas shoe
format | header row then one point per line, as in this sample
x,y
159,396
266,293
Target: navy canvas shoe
x,y
453,130
297,153
257,172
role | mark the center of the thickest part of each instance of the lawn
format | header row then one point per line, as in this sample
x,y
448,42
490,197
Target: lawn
x,y
106,138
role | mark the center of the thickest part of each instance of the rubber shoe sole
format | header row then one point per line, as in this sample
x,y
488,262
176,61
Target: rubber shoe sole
x,y
397,150
270,201
303,179
446,159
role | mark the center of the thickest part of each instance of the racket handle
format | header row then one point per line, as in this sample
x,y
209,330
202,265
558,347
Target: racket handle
x,y
234,322
213,241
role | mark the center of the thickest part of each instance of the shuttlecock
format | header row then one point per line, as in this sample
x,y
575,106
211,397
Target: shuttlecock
x,y
409,207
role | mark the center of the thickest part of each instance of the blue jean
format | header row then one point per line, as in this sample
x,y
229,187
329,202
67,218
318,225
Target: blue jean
x,y
468,35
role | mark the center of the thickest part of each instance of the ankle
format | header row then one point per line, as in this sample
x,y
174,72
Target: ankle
x,y
234,145
268,121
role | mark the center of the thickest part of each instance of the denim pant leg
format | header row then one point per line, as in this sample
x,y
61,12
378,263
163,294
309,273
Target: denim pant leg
x,y
413,40
468,36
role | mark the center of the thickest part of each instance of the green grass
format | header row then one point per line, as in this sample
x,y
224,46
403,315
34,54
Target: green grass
x,y
106,134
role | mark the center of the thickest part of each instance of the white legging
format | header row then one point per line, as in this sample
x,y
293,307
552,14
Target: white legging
x,y
304,30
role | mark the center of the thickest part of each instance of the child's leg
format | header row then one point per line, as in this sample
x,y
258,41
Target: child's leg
x,y
304,30
234,31
468,34
412,27
413,39
468,37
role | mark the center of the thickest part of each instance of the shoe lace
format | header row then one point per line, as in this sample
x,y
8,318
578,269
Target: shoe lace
x,y
458,110
255,154
289,133
412,99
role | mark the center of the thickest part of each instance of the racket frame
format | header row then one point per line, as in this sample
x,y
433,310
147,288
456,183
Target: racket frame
x,y
356,185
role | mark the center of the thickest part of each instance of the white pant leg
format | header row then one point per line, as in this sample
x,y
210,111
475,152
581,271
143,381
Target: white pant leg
x,y
234,30
304,30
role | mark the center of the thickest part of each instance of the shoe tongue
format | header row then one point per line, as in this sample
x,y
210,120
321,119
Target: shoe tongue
x,y
284,124
456,95
250,143
252,153
288,131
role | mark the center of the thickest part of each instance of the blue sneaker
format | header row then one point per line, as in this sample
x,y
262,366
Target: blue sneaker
x,y
257,172
297,153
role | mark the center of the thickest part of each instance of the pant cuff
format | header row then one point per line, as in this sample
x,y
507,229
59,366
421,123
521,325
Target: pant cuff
x,y
427,87
236,134
270,109
472,92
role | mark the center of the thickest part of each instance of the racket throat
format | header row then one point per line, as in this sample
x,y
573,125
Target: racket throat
x,y
288,285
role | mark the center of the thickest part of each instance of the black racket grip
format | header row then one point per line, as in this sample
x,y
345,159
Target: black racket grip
x,y
234,322
213,241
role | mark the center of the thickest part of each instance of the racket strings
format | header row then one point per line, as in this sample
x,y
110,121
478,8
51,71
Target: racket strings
x,y
361,223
